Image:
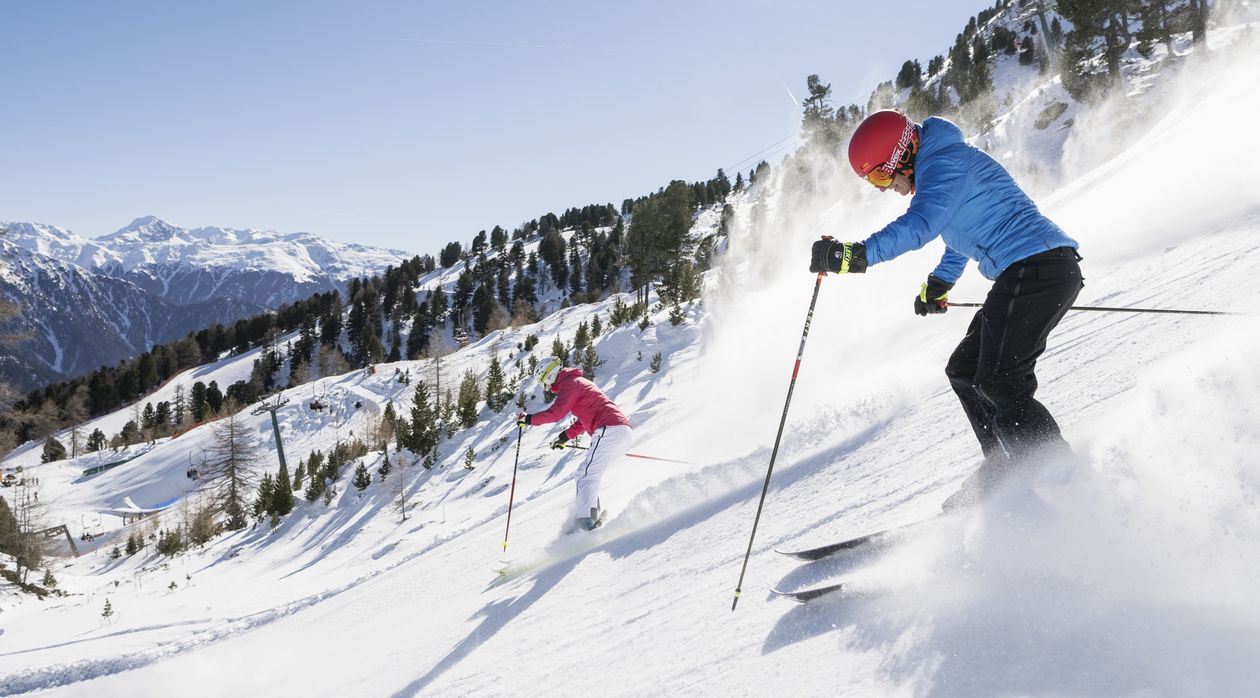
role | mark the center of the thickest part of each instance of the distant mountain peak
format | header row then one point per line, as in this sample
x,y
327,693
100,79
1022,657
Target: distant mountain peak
x,y
147,229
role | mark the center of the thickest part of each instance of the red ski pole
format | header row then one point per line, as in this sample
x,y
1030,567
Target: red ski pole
x,y
778,437
635,455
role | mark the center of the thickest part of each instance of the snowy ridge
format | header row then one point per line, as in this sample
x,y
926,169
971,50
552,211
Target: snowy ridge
x,y
186,266
76,319
150,241
190,278
1126,570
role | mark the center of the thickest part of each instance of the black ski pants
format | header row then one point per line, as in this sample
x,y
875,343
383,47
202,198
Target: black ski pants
x,y
992,370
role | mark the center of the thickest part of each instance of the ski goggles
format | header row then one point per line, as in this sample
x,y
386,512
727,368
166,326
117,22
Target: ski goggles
x,y
879,177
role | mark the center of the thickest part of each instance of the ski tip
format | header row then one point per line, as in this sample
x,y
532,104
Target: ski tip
x,y
788,595
807,595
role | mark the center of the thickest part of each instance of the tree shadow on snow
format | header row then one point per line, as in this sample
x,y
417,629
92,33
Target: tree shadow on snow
x,y
495,616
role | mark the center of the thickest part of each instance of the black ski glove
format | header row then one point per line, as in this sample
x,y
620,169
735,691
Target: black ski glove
x,y
933,297
838,257
560,441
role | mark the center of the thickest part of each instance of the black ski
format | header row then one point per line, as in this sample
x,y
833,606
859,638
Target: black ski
x,y
807,595
811,554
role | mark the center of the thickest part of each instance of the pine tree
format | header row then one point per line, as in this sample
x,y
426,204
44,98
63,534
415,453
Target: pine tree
x,y
908,76
497,395
314,489
659,237
423,432
389,425
469,456
361,477
590,361
552,249
818,120
676,314
282,495
1155,27
469,396
559,350
53,451
170,542
575,272
108,612
262,503
96,441
299,475
385,469
1027,51
214,397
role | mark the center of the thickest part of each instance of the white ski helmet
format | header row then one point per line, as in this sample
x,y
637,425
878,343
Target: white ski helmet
x,y
548,369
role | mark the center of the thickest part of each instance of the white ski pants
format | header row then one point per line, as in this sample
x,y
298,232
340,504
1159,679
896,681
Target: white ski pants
x,y
608,445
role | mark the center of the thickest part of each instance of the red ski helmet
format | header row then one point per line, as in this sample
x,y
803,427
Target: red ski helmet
x,y
881,141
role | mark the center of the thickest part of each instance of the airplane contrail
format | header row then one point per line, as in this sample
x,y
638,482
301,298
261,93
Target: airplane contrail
x,y
790,95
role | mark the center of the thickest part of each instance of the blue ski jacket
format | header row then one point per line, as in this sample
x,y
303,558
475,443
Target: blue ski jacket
x,y
972,203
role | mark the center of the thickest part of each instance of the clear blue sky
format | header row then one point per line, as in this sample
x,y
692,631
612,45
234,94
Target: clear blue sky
x,y
409,124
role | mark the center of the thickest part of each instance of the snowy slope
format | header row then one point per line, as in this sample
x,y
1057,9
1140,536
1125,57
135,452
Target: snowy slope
x,y
1128,570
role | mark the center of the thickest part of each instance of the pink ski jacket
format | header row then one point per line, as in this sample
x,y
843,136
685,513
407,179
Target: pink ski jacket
x,y
588,403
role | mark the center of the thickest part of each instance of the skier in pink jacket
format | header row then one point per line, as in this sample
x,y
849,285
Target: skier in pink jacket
x,y
597,416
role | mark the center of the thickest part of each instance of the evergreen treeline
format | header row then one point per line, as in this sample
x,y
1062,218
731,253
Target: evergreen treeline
x,y
109,388
385,318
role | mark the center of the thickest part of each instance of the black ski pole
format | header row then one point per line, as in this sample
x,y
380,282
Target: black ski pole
x,y
512,495
1103,309
775,452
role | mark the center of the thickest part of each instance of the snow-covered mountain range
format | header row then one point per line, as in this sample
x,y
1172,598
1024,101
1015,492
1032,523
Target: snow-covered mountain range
x,y
92,302
74,319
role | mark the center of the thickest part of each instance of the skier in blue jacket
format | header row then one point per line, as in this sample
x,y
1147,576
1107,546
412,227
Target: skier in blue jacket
x,y
966,198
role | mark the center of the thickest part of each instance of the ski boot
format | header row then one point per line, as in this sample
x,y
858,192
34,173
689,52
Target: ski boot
x,y
592,522
979,484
